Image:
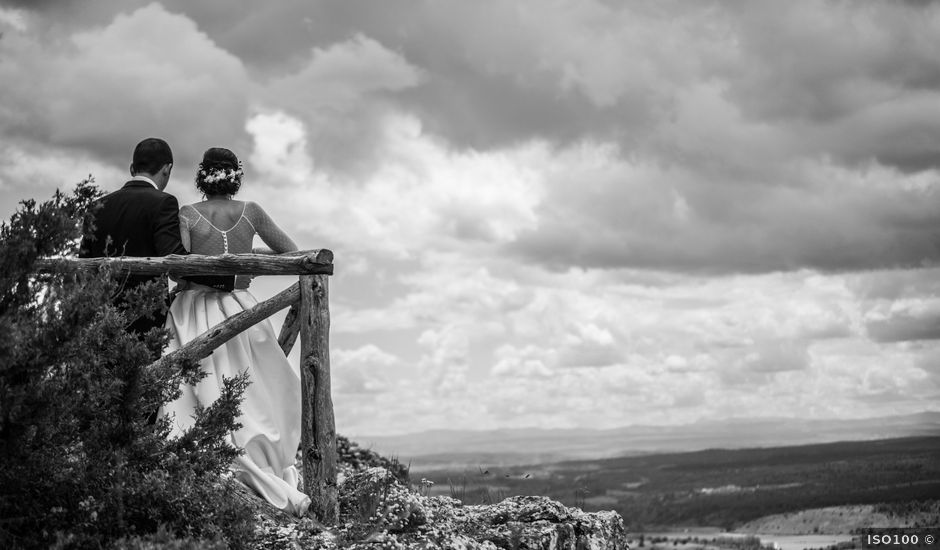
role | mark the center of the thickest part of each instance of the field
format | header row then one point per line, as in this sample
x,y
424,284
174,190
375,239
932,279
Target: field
x,y
721,488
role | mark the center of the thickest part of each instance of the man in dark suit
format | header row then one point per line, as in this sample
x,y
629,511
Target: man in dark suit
x,y
139,219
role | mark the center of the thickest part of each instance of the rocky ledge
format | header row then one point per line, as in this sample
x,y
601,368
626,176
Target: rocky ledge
x,y
378,511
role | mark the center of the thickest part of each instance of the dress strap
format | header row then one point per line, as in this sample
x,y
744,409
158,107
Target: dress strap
x,y
224,231
184,214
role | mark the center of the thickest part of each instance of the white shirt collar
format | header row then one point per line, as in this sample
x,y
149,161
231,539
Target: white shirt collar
x,y
146,179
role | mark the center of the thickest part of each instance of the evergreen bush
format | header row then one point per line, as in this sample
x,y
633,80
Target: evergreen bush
x,y
80,464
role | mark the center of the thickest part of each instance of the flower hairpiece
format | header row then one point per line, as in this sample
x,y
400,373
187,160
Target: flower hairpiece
x,y
213,175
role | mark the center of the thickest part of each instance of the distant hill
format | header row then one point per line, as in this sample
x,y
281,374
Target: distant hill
x,y
452,448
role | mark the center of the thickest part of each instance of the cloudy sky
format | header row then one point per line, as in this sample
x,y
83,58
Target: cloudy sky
x,y
548,213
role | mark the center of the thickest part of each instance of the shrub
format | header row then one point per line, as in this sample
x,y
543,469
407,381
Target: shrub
x,y
351,454
80,465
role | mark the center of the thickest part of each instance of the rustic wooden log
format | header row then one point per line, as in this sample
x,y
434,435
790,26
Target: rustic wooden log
x,y
318,428
202,346
304,263
260,507
290,329
267,251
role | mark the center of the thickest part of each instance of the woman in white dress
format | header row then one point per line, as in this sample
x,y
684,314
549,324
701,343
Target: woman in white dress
x,y
270,410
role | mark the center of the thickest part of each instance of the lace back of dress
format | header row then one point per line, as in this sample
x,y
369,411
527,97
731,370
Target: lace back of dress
x,y
208,239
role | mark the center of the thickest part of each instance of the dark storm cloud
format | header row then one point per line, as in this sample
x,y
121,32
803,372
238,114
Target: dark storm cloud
x,y
861,77
270,39
498,74
836,73
491,78
628,216
898,285
824,61
483,111
905,328
34,4
101,89
486,88
58,17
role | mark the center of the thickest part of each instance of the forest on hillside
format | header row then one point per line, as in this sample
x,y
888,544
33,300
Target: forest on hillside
x,y
722,488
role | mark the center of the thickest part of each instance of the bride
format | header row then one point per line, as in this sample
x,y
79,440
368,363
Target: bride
x,y
270,410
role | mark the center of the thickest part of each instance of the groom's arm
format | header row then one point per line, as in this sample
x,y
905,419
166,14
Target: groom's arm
x,y
166,230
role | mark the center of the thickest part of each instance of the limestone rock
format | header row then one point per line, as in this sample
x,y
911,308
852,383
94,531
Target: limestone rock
x,y
532,522
379,512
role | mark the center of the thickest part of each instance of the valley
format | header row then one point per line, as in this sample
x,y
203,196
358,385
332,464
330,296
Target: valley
x,y
830,488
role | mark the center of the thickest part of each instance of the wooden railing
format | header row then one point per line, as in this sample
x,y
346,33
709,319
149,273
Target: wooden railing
x,y
308,318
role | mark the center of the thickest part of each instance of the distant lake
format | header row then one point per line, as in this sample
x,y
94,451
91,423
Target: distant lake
x,y
799,542
783,542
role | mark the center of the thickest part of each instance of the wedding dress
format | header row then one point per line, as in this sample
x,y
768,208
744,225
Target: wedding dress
x,y
270,410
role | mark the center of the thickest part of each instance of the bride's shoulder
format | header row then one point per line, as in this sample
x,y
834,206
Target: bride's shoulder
x,y
256,213
251,207
189,209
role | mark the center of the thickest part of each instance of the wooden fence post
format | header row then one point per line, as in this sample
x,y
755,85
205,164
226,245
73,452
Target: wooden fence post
x,y
318,436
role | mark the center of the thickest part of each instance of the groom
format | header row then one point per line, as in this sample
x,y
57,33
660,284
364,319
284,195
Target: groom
x,y
139,219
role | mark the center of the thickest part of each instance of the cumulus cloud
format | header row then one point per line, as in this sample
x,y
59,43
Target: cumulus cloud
x,y
364,370
279,150
697,348
700,347
423,195
515,363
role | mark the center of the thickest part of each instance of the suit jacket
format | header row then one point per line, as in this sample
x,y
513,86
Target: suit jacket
x,y
140,221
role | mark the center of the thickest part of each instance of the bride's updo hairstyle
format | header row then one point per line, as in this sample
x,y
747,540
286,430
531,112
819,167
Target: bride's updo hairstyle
x,y
219,173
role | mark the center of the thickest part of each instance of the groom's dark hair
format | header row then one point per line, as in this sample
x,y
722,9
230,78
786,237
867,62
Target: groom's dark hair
x,y
150,156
